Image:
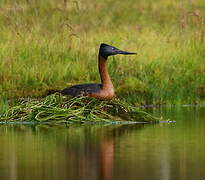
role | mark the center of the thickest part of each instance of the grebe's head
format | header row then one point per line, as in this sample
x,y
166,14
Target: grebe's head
x,y
107,50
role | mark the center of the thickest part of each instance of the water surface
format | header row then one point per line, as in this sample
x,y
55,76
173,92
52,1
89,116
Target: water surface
x,y
122,152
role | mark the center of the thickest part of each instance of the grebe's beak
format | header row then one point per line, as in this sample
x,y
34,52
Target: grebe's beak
x,y
124,52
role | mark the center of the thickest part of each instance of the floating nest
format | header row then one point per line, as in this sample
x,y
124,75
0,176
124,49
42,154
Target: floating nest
x,y
62,109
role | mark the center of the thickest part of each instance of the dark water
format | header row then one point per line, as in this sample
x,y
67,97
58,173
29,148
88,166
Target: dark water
x,y
122,152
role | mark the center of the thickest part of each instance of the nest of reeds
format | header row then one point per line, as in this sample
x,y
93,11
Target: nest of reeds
x,y
62,109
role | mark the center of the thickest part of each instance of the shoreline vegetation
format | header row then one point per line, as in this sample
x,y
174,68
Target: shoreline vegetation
x,y
47,45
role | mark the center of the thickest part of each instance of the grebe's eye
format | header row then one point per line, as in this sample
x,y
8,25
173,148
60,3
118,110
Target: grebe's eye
x,y
113,48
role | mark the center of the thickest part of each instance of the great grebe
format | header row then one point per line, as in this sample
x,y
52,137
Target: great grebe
x,y
105,90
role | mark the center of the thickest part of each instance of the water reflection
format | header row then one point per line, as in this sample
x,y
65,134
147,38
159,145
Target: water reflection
x,y
162,151
42,152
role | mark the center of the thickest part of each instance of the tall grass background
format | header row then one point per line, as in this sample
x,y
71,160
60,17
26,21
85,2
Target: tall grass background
x,y
52,44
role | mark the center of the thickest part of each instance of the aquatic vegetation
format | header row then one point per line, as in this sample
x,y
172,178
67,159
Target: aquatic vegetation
x,y
62,109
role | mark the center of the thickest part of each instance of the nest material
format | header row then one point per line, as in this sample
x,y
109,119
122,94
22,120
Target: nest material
x,y
61,109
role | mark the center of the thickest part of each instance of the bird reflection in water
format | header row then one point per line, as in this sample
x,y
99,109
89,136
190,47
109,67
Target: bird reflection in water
x,y
95,159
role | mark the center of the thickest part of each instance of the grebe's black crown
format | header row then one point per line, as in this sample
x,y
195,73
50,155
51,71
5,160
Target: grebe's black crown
x,y
107,50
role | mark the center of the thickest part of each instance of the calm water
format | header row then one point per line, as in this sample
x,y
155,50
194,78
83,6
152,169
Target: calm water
x,y
121,152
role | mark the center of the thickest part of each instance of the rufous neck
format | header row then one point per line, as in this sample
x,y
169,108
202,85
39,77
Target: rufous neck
x,y
104,75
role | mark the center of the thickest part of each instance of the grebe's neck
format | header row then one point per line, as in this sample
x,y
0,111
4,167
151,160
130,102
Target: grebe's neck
x,y
104,75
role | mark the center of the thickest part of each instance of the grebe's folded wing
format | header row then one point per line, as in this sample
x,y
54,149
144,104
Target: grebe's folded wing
x,y
81,89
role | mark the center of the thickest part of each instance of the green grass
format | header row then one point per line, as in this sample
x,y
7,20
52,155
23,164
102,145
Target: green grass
x,y
53,44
